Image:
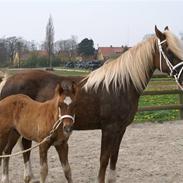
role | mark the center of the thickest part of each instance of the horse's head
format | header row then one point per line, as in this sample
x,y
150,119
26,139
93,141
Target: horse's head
x,y
170,54
67,104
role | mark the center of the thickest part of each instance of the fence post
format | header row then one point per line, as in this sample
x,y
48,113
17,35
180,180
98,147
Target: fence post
x,y
181,102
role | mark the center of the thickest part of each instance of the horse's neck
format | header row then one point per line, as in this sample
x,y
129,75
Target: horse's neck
x,y
150,74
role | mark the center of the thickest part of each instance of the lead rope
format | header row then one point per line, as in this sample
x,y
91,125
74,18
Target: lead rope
x,y
54,128
169,64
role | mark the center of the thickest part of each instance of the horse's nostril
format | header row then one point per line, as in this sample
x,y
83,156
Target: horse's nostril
x,y
67,129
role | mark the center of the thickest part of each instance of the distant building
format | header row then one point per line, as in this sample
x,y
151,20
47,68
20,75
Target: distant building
x,y
105,53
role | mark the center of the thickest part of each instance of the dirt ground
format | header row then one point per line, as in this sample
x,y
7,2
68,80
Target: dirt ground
x,y
149,153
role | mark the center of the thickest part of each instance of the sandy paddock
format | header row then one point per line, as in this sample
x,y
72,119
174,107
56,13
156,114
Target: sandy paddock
x,y
149,153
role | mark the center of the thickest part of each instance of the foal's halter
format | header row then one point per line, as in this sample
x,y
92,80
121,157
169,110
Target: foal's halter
x,y
61,118
172,68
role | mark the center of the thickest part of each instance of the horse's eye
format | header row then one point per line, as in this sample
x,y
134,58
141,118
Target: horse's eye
x,y
170,54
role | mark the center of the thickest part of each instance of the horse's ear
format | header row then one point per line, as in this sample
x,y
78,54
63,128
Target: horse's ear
x,y
58,90
74,87
159,34
166,28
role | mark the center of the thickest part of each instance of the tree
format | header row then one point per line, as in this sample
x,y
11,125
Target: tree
x,y
3,52
49,42
86,47
15,45
11,43
66,50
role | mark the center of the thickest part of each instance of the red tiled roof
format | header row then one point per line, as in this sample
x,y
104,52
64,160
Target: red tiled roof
x,y
108,51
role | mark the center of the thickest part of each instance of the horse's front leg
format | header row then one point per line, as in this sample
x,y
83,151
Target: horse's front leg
x,y
106,145
43,150
118,135
63,155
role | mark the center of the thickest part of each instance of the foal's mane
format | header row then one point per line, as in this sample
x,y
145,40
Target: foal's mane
x,y
135,65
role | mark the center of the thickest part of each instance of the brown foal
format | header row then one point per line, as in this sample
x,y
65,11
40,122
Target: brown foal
x,y
34,120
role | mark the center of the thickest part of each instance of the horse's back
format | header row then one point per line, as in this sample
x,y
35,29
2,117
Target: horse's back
x,y
37,84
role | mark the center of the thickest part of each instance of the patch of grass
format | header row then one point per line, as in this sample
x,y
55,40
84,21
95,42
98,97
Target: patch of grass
x,y
157,116
71,72
58,71
161,115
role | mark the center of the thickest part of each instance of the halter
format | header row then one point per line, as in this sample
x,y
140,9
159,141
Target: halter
x,y
60,119
172,68
67,116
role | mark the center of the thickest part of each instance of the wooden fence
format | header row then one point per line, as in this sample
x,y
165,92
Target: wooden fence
x,y
164,107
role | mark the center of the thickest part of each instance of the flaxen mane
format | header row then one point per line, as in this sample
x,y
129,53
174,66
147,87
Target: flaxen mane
x,y
133,65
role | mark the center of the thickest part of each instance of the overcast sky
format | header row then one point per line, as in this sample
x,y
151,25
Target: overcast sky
x,y
107,22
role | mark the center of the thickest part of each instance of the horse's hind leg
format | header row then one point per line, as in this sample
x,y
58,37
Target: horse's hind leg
x,y
3,141
63,155
114,155
28,175
12,139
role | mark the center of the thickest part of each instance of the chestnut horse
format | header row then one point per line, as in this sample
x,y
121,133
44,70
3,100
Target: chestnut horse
x,y
34,121
108,97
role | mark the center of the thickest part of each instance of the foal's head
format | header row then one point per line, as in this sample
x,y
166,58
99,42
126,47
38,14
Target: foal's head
x,y
67,104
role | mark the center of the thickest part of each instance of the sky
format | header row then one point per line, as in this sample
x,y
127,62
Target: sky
x,y
107,22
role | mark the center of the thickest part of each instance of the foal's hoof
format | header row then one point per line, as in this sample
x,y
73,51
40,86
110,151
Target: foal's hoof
x,y
27,179
35,181
30,179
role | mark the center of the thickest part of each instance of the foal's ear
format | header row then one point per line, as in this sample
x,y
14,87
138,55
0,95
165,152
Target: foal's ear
x,y
159,34
58,90
166,28
74,87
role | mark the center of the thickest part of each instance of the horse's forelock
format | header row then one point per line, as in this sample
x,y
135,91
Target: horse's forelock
x,y
174,44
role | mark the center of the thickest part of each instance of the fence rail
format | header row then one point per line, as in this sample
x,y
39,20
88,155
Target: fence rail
x,y
165,107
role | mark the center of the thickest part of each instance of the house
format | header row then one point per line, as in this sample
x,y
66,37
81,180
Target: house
x,y
105,53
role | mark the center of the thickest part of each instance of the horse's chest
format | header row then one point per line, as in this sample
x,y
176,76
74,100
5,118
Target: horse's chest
x,y
60,139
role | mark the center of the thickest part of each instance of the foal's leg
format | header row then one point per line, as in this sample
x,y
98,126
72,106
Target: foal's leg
x,y
28,175
114,155
63,155
43,151
12,140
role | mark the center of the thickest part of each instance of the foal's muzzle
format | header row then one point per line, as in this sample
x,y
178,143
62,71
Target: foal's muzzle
x,y
68,129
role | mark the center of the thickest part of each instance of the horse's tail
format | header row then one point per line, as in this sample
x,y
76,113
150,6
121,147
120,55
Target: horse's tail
x,y
3,78
3,75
